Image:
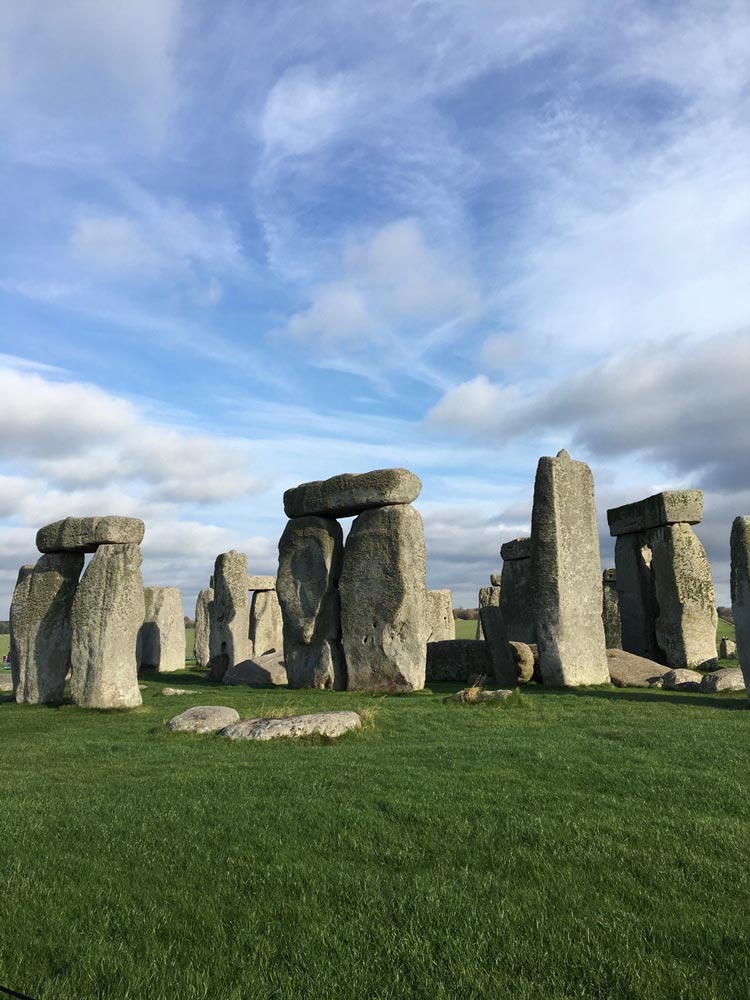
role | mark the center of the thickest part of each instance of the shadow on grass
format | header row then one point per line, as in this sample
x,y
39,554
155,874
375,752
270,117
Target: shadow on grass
x,y
644,696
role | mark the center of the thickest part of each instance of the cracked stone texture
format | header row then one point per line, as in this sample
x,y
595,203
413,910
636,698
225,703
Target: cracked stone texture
x,y
230,614
659,510
162,635
382,590
740,586
86,534
41,623
351,493
330,724
566,569
266,630
108,611
439,616
311,551
202,639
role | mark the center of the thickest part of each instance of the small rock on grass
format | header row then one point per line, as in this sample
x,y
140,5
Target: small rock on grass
x,y
472,694
318,724
168,692
727,679
203,719
683,680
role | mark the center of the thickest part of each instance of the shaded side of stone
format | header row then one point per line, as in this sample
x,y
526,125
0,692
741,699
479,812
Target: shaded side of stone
x,y
517,599
740,588
669,507
230,614
203,612
611,611
496,637
352,493
162,635
517,548
458,660
439,616
636,596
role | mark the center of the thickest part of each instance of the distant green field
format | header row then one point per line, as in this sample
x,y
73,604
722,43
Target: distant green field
x,y
465,629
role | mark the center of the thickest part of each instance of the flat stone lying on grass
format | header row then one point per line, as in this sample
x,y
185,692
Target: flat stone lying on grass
x,y
458,660
523,660
261,671
683,680
203,719
351,493
294,726
726,679
473,694
170,692
629,670
86,534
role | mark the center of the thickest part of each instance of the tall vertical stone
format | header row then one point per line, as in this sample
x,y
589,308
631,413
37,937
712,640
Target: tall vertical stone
x,y
567,574
383,600
517,591
498,644
163,631
439,616
310,557
488,597
740,586
686,625
42,629
636,596
108,611
20,596
611,610
201,641
230,619
266,632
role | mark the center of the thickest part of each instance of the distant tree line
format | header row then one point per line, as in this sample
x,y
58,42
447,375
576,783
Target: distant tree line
x,y
4,628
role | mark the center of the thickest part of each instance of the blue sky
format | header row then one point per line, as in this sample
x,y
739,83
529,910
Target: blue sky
x,y
250,244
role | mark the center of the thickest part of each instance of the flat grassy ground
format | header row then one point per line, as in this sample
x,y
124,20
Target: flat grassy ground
x,y
577,844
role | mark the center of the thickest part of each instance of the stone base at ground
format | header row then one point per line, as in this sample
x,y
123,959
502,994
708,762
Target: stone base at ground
x,y
330,724
682,680
727,679
629,670
458,660
261,671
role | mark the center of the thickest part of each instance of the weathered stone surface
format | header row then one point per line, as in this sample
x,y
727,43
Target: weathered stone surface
x,y
740,585
566,572
682,680
495,579
669,507
458,660
20,596
611,611
382,590
517,592
517,548
727,679
262,671
439,616
352,493
311,552
202,638
266,631
686,624
629,670
42,628
330,724
162,635
6,683
473,695
108,611
255,583
203,719
523,660
727,649
230,614
496,637
636,597
488,597
86,534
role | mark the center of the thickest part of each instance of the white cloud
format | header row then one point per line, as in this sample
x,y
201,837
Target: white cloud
x,y
304,110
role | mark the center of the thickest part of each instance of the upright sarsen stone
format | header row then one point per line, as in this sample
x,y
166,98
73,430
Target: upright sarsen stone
x,y
567,574
611,610
266,632
108,611
383,600
310,557
636,597
517,591
20,595
230,617
163,631
740,584
42,629
203,607
488,597
439,616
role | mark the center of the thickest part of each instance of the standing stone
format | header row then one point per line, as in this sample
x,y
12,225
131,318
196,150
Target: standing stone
x,y
686,624
501,654
517,591
42,630
439,616
740,584
20,596
230,614
310,556
383,600
727,649
108,611
611,610
636,597
488,597
162,636
201,640
352,493
266,632
566,574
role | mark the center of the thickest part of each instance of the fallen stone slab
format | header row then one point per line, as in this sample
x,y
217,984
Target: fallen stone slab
x,y
629,670
473,695
171,692
726,679
682,680
352,493
458,660
659,510
329,724
261,583
203,719
86,534
262,671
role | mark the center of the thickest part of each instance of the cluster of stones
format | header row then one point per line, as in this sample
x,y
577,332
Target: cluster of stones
x,y
226,722
666,594
355,615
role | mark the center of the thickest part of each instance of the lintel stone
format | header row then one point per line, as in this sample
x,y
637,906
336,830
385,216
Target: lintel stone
x,y
518,548
352,493
86,534
659,510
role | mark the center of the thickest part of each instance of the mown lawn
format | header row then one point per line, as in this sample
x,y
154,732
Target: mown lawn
x,y
580,844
